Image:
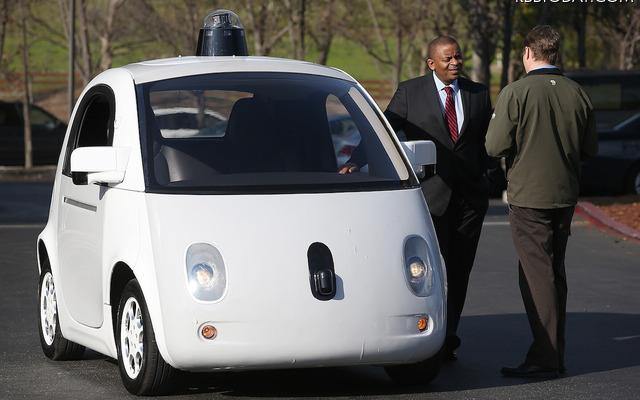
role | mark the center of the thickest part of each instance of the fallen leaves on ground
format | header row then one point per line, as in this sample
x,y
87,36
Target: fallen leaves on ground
x,y
622,209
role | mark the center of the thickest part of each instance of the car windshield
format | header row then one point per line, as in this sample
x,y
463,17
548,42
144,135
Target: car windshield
x,y
264,132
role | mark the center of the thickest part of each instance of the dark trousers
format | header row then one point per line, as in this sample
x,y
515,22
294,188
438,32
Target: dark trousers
x,y
540,237
458,231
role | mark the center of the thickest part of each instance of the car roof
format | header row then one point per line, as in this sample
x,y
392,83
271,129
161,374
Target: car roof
x,y
154,70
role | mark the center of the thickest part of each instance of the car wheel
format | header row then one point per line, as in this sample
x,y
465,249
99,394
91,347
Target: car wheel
x,y
142,368
633,180
54,345
415,374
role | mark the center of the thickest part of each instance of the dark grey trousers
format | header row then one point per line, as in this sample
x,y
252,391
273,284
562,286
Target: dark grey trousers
x,y
458,232
540,237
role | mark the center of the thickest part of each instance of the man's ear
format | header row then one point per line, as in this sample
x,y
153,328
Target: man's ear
x,y
430,64
528,54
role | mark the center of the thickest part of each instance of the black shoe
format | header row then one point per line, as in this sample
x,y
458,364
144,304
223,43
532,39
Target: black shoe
x,y
450,356
451,343
530,371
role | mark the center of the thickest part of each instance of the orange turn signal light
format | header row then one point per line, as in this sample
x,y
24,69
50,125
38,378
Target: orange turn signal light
x,y
209,332
423,324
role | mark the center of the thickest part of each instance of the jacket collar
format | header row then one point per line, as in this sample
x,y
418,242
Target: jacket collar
x,y
544,71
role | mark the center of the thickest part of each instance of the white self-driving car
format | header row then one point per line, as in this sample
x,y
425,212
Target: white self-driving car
x,y
241,248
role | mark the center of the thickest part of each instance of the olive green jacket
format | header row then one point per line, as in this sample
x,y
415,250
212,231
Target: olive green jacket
x,y
545,126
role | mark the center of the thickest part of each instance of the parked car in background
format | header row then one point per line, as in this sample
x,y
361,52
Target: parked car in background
x,y
169,250
616,99
182,122
47,134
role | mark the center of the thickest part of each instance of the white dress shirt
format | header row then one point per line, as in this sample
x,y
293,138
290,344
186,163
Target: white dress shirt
x,y
457,99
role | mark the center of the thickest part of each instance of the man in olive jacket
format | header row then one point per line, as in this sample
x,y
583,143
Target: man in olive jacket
x,y
545,126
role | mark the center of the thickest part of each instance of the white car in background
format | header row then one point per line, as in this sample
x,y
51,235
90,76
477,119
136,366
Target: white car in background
x,y
182,122
246,250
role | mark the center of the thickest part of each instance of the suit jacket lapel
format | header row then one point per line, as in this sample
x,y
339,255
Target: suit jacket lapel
x,y
466,98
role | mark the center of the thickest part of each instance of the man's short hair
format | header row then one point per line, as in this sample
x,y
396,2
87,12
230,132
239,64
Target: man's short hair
x,y
544,42
437,42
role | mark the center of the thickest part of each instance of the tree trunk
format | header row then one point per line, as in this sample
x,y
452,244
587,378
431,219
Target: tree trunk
x,y
83,41
3,28
325,33
581,30
26,98
483,21
507,32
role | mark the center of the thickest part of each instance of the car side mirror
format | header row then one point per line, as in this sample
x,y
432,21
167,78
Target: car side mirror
x,y
422,156
99,164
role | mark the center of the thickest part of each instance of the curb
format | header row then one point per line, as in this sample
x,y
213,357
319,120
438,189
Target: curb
x,y
21,173
594,215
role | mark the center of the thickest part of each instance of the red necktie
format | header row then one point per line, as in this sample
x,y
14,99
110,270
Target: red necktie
x,y
450,112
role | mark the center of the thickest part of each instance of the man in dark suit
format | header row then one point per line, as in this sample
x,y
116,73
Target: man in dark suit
x,y
458,193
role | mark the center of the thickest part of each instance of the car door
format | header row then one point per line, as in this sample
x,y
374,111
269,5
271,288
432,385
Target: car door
x,y
81,215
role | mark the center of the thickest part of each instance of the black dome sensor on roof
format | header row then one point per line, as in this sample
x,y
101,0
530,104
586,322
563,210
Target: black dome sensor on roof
x,y
222,35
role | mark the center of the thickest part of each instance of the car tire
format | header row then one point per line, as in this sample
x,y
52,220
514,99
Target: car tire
x,y
142,368
54,345
632,185
416,374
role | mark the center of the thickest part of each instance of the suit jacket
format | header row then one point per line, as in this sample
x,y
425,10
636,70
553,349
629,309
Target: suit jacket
x,y
415,109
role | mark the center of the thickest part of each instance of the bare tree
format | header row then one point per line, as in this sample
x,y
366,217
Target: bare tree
x,y
108,33
507,31
295,10
323,30
580,25
5,13
265,21
84,42
394,19
26,98
176,24
621,24
3,27
629,33
484,29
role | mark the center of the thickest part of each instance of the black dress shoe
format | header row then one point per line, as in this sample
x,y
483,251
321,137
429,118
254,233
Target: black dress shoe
x,y
451,343
450,356
529,371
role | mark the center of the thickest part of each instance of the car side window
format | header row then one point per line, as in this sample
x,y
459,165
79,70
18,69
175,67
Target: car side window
x,y
41,118
92,123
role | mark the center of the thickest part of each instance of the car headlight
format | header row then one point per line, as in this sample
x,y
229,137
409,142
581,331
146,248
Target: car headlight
x,y
418,266
206,272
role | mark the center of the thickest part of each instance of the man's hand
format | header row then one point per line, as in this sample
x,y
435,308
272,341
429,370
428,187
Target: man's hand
x,y
348,168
